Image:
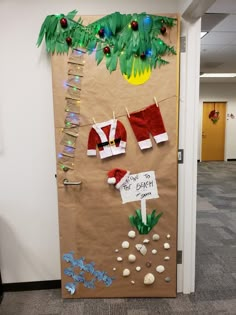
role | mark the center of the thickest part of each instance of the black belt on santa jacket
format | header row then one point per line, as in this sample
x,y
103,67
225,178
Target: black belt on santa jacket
x,y
112,142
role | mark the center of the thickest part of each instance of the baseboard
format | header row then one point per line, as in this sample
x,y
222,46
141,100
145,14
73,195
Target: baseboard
x,y
30,286
230,160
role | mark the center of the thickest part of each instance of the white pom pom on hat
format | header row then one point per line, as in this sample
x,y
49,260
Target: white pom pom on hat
x,y
117,176
111,180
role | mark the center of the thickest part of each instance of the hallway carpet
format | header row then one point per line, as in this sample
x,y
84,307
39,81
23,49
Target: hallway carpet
x,y
215,264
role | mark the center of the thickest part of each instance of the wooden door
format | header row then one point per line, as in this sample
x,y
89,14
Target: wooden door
x,y
92,219
213,131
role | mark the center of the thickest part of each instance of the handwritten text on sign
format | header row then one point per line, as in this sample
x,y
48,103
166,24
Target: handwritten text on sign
x,y
139,187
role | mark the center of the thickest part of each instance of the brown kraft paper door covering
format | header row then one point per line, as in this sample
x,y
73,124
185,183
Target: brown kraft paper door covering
x,y
93,221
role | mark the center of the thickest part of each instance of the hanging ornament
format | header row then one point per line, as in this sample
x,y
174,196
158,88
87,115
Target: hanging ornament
x,y
69,41
101,32
134,25
107,50
148,53
65,168
147,23
63,22
143,56
163,30
147,20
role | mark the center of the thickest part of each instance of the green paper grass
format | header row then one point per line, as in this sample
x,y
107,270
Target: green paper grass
x,y
152,220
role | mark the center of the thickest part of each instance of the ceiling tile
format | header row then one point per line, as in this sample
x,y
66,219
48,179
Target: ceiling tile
x,y
227,25
209,21
223,6
219,38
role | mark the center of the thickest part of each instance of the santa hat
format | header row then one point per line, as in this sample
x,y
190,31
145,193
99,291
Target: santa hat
x,y
117,176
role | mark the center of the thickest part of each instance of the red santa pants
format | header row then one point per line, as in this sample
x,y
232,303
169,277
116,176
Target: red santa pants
x,y
145,122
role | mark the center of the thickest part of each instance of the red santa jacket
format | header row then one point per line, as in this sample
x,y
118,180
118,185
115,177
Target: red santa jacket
x,y
109,137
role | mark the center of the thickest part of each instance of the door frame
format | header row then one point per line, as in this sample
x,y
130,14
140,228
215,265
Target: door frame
x,y
201,125
188,140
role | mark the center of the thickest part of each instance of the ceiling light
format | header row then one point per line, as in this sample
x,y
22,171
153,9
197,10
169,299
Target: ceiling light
x,y
218,75
203,34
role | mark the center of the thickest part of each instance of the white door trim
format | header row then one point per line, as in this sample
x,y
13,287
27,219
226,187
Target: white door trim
x,y
188,134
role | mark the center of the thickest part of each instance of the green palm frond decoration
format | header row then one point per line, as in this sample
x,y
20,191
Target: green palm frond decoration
x,y
128,37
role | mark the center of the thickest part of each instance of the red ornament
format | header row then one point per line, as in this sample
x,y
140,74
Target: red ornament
x,y
101,32
163,30
143,56
63,22
107,50
134,25
69,41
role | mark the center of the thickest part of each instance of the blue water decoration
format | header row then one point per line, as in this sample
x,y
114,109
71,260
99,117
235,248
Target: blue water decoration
x,y
85,268
79,278
107,280
99,275
79,263
70,287
69,257
69,272
89,267
90,284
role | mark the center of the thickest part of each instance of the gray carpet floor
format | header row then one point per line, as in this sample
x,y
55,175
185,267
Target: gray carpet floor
x,y
215,263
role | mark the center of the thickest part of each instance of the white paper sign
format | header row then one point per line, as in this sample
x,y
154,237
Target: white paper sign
x,y
139,186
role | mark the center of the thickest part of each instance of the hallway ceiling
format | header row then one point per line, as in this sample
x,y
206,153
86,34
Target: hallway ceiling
x,y
218,46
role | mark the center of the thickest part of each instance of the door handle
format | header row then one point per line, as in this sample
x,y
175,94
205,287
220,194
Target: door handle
x,y
66,182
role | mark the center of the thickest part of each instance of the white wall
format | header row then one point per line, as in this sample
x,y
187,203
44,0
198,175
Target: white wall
x,y
217,92
29,237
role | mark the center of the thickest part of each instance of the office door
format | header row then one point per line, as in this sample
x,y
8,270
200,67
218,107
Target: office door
x,y
102,253
213,131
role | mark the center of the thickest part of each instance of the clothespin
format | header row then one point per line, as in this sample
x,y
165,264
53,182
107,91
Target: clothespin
x,y
94,120
127,112
156,101
114,116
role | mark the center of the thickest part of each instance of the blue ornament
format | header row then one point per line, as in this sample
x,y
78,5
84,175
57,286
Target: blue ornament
x,y
147,20
149,53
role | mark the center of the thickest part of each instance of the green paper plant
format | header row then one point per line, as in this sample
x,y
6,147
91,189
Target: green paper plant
x,y
112,37
152,220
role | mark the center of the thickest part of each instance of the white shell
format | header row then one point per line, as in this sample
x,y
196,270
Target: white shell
x,y
154,251
149,279
119,258
131,234
138,268
131,258
132,282
141,248
160,268
146,241
166,245
167,258
138,246
126,272
155,237
114,269
168,236
116,250
125,244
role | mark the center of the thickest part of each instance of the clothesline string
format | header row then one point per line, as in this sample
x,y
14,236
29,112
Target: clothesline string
x,y
123,115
